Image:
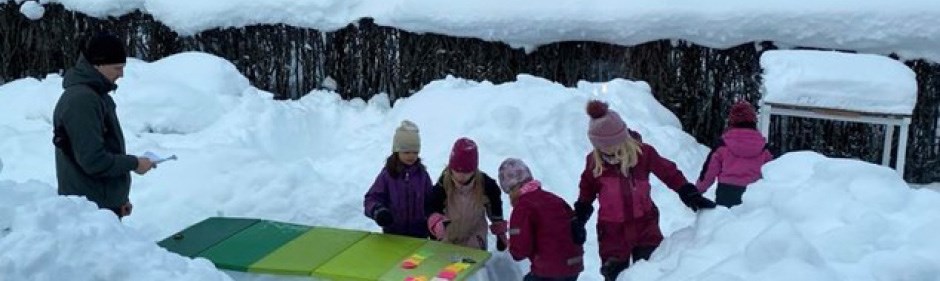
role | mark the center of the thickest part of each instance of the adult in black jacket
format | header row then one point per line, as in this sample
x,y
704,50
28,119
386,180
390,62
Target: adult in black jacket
x,y
91,158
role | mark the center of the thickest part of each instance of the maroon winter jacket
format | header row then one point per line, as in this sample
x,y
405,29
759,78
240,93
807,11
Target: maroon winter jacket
x,y
625,198
540,230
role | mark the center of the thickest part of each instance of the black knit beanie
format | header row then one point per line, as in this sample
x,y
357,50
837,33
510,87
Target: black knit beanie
x,y
103,49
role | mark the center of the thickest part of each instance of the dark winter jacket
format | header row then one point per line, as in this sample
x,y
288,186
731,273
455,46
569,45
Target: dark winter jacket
x,y
404,197
736,160
540,230
91,160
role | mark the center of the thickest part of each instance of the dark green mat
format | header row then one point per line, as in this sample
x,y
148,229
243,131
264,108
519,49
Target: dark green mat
x,y
207,233
241,250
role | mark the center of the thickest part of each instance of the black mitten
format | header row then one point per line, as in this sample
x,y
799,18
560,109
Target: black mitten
x,y
383,217
583,212
578,233
693,199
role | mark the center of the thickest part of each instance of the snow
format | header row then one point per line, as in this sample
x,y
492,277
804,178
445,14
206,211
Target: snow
x,y
32,10
909,28
835,80
311,160
810,218
46,237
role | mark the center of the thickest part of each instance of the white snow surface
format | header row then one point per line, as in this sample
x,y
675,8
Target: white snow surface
x,y
310,161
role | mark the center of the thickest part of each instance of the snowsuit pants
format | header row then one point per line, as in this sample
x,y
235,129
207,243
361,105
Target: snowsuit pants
x,y
729,195
617,240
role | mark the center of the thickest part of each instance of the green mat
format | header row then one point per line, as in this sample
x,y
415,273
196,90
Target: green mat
x,y
241,250
437,257
308,251
199,237
261,246
370,258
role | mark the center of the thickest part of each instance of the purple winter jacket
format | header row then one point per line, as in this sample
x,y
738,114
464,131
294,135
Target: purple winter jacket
x,y
737,160
404,197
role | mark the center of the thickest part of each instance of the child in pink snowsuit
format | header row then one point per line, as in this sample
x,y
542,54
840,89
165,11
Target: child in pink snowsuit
x,y
737,158
617,173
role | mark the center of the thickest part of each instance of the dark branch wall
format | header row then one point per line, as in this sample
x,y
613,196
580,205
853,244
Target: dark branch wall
x,y
697,83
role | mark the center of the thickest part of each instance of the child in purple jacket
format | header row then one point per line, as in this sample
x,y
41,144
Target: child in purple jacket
x,y
737,158
396,199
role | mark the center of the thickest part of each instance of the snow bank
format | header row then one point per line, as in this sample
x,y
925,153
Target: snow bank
x,y
46,237
810,218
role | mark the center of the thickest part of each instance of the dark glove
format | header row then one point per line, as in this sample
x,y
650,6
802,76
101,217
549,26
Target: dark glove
x,y
578,233
499,229
693,199
501,243
582,212
383,217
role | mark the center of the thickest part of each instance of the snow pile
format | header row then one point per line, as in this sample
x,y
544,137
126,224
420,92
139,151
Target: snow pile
x,y
46,237
858,82
32,10
810,218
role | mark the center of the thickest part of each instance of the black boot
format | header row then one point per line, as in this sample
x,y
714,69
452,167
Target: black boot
x,y
643,252
612,268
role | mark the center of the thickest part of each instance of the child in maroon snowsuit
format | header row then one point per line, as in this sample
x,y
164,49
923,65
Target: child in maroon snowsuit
x,y
540,227
462,201
396,199
617,173
737,158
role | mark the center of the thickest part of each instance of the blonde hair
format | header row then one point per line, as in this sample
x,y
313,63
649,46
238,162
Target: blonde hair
x,y
628,154
449,186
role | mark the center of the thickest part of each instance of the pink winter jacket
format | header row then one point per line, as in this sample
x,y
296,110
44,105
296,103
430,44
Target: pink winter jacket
x,y
737,160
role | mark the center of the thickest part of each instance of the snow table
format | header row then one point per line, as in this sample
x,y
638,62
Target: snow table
x,y
262,246
839,86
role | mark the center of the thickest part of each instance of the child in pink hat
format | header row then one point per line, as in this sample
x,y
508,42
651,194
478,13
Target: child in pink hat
x,y
617,173
737,158
462,201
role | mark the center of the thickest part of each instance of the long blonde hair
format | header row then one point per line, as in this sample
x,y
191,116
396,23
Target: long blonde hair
x,y
628,154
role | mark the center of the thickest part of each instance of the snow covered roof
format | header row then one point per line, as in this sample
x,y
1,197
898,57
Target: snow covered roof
x,y
910,28
835,80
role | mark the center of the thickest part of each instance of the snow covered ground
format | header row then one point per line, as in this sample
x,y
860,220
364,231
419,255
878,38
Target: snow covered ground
x,y
310,161
907,27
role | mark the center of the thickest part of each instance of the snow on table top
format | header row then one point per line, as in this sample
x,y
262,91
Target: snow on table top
x,y
907,27
855,82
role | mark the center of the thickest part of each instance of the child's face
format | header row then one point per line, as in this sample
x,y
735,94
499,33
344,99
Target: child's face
x,y
461,178
609,154
409,158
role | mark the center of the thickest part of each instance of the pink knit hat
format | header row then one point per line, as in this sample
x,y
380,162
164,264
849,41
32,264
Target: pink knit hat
x,y
742,112
606,128
513,172
464,157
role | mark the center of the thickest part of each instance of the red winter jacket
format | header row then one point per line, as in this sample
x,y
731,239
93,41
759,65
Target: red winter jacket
x,y
540,230
625,198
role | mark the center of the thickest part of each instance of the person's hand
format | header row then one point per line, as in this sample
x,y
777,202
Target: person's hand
x,y
383,217
126,209
143,165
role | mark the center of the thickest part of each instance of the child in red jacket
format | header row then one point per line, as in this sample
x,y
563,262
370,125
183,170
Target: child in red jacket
x,y
617,173
540,227
737,158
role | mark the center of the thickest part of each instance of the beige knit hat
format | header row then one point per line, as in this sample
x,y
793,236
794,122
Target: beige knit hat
x,y
406,138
